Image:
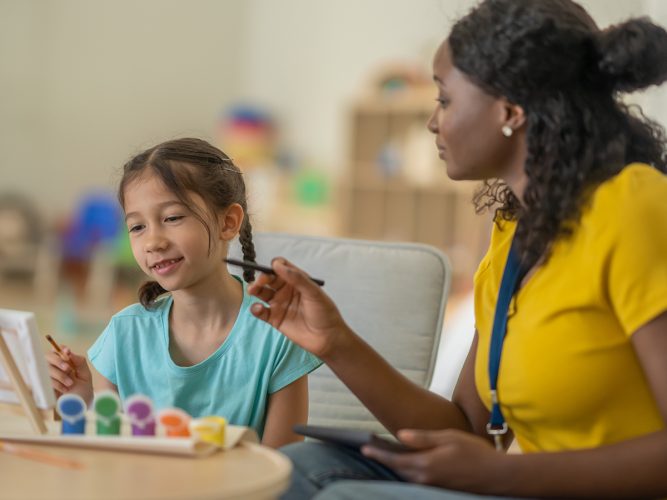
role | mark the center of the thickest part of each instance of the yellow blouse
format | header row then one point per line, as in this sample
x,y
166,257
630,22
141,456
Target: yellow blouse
x,y
569,377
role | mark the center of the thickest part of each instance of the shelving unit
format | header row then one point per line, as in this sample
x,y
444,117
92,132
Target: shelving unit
x,y
397,187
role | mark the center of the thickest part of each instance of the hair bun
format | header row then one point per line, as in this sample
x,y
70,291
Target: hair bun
x,y
633,54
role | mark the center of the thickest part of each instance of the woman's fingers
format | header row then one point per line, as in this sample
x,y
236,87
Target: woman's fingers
x,y
293,275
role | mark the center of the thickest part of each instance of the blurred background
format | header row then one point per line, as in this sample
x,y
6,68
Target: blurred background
x,y
323,104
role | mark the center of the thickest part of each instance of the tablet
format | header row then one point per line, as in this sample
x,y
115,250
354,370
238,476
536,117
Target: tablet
x,y
350,438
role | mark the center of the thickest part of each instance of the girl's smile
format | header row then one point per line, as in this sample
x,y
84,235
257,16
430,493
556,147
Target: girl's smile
x,y
166,266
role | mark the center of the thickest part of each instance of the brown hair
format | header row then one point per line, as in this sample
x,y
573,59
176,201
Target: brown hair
x,y
193,166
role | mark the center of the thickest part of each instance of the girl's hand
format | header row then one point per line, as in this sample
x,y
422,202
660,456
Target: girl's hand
x,y
298,308
62,375
449,458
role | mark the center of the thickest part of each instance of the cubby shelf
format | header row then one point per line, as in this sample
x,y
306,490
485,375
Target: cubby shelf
x,y
397,187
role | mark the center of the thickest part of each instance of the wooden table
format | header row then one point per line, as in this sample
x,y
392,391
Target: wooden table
x,y
248,471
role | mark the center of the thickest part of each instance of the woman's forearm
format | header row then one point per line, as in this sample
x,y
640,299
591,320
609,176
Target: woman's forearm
x,y
395,401
636,468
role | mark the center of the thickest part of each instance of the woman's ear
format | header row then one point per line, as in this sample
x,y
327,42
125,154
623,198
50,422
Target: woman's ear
x,y
230,221
515,118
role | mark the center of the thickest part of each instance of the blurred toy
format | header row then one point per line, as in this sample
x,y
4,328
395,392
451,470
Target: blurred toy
x,y
246,134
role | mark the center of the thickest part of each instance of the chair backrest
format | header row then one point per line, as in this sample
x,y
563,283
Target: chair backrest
x,y
392,294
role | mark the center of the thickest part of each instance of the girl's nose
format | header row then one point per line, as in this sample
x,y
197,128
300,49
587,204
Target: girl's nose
x,y
156,242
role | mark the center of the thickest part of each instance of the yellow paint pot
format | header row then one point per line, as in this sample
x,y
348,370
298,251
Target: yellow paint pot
x,y
209,429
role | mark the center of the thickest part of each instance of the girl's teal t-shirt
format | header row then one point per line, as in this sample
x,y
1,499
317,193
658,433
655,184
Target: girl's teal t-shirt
x,y
234,382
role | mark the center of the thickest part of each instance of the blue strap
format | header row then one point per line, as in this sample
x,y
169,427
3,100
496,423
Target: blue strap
x,y
511,279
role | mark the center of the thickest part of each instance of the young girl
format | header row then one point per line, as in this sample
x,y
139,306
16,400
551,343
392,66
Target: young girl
x,y
192,343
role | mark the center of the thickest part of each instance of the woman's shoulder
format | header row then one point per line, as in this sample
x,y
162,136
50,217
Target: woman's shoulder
x,y
633,202
637,185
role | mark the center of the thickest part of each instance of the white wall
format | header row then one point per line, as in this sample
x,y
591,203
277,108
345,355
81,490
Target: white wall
x,y
309,59
91,82
84,83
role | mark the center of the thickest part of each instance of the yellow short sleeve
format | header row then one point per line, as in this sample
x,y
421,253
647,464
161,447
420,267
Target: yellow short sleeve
x,y
638,252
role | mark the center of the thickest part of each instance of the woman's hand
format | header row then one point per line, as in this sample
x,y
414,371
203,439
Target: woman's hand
x,y
62,375
298,308
449,458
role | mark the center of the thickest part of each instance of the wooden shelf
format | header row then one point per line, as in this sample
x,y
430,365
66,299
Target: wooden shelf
x,y
397,188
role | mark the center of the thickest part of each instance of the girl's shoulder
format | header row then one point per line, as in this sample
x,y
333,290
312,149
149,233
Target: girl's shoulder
x,y
139,311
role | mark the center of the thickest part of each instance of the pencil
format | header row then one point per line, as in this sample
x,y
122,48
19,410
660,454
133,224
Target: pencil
x,y
264,269
62,354
38,455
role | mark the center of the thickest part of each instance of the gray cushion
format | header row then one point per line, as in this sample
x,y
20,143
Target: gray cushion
x,y
392,294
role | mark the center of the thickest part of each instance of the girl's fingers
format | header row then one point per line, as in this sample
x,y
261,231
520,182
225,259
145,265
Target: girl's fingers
x,y
59,388
59,376
54,359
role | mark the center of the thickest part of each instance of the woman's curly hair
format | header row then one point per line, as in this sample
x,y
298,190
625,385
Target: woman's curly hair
x,y
549,57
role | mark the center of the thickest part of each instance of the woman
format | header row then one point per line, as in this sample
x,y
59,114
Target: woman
x,y
528,102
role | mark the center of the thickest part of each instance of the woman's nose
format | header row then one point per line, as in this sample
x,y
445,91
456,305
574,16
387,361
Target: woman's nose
x,y
432,123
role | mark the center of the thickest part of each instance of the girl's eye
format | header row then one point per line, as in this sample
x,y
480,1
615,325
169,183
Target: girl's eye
x,y
173,218
135,228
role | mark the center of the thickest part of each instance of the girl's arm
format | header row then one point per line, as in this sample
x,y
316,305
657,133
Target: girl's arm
x,y
629,469
106,385
286,408
305,314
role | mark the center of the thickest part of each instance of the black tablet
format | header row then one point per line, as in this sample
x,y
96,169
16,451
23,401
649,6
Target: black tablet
x,y
350,438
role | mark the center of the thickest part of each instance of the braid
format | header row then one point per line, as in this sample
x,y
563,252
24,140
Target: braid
x,y
149,292
248,248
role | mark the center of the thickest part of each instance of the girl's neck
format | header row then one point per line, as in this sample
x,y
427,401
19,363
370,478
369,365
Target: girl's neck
x,y
209,309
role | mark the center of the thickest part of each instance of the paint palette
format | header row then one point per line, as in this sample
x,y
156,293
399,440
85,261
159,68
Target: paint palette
x,y
138,428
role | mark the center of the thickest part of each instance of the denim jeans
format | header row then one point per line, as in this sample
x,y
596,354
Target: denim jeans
x,y
329,472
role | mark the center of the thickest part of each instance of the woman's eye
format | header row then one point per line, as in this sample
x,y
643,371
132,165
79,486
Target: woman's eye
x,y
443,102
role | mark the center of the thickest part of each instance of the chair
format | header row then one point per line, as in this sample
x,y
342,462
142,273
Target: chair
x,y
392,294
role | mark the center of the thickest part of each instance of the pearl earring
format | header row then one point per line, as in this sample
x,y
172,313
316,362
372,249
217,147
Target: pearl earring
x,y
507,131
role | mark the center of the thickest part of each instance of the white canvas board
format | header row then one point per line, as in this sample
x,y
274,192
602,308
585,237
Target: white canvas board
x,y
19,330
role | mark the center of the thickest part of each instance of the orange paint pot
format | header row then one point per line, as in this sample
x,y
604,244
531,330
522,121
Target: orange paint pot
x,y
175,422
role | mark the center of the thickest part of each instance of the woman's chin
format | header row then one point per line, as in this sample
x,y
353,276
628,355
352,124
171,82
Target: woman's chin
x,y
456,173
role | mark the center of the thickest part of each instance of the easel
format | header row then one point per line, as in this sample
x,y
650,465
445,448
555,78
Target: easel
x,y
27,402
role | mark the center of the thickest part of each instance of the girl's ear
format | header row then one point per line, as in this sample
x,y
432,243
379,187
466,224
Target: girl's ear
x,y
230,221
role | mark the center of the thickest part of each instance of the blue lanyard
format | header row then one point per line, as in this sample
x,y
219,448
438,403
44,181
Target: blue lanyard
x,y
512,276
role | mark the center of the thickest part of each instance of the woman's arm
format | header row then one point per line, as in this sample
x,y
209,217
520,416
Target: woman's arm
x,y
305,314
286,407
630,469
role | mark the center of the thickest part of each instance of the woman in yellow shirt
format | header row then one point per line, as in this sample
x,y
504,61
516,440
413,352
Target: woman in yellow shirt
x,y
528,102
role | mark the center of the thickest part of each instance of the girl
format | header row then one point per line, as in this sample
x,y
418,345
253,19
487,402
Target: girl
x,y
528,100
192,343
